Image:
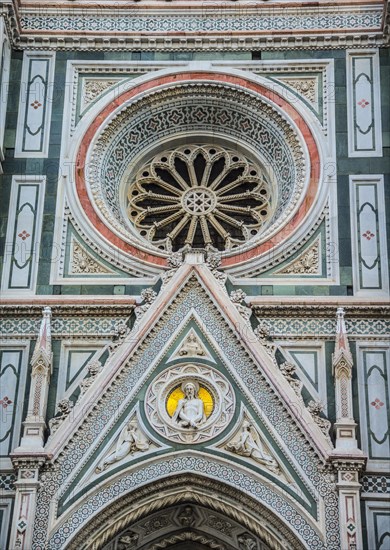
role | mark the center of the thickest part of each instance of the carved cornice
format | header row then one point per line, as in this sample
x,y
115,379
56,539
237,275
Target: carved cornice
x,y
109,307
325,308
262,26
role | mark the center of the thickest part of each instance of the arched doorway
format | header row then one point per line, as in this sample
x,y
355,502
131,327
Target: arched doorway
x,y
188,512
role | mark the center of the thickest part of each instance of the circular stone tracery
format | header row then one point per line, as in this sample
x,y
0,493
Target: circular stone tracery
x,y
198,202
199,196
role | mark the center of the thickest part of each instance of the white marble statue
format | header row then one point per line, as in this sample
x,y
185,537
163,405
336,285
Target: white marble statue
x,y
130,441
190,412
249,445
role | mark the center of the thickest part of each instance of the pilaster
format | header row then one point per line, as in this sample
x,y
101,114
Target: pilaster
x,y
41,367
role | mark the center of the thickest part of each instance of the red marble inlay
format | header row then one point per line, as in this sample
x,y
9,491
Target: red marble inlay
x,y
199,76
24,235
35,104
368,235
377,403
363,103
5,402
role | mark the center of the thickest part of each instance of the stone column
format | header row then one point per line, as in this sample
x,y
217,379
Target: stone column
x,y
25,501
348,473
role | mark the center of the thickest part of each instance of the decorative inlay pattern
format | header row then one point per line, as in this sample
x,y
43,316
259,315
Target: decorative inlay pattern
x,y
279,20
7,482
36,97
364,116
372,483
369,251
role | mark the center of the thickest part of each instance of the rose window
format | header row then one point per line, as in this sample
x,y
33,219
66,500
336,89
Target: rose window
x,y
200,196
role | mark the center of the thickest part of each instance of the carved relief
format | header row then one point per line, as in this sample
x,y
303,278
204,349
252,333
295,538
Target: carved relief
x,y
192,347
82,262
127,539
308,263
190,403
187,517
190,412
305,86
63,408
315,409
247,542
93,88
130,441
288,370
248,444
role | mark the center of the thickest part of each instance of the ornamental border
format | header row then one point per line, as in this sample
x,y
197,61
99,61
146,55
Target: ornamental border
x,y
318,39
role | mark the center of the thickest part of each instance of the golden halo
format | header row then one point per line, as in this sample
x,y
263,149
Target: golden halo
x,y
177,393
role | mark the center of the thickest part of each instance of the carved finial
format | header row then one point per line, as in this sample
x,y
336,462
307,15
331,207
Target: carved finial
x,y
42,352
342,344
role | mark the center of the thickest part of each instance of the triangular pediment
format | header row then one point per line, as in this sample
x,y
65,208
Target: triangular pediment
x,y
148,382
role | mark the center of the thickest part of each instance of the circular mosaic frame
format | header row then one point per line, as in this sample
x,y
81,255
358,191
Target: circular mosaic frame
x,y
215,384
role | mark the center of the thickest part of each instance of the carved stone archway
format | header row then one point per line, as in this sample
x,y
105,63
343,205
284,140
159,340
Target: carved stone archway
x,y
187,508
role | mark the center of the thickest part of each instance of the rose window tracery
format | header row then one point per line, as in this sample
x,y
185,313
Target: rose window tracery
x,y
199,196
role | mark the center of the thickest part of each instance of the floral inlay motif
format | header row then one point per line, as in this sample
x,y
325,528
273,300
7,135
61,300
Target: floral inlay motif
x,y
36,104
5,402
377,403
363,103
24,235
368,235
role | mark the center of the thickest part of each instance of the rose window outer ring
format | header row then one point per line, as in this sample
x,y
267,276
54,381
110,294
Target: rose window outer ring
x,y
201,196
249,114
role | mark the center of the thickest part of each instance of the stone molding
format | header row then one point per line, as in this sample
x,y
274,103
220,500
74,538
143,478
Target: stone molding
x,y
260,27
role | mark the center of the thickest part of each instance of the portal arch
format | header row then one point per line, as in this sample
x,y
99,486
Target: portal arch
x,y
187,508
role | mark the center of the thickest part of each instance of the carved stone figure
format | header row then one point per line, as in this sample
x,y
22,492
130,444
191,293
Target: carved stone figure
x,y
237,297
63,407
186,517
121,332
94,368
246,542
128,539
130,441
191,347
148,296
288,370
249,445
315,408
190,411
